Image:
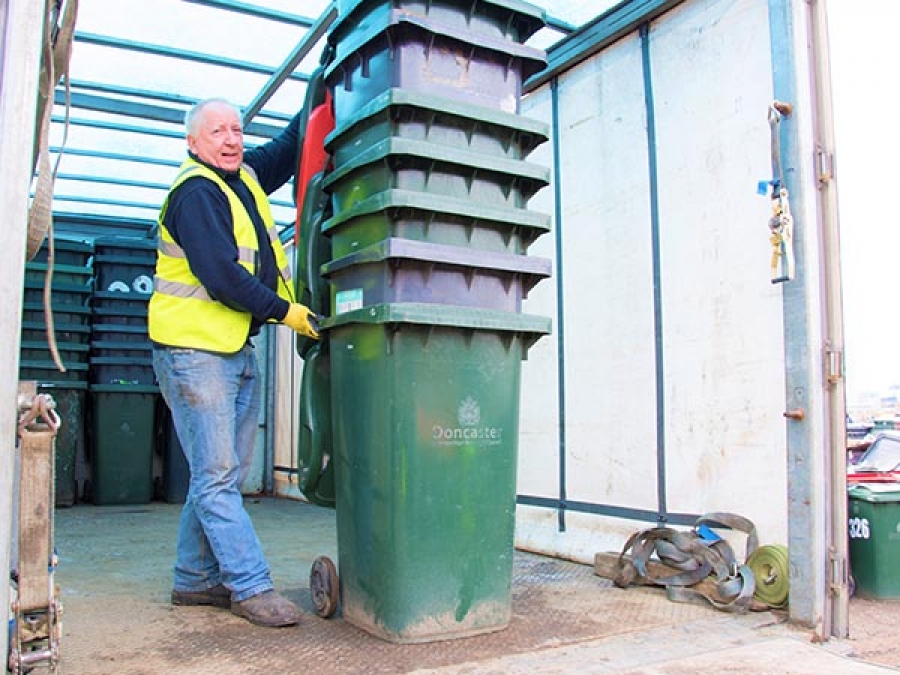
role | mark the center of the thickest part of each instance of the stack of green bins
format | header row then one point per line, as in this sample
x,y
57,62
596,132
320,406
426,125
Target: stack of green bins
x,y
70,295
429,236
123,387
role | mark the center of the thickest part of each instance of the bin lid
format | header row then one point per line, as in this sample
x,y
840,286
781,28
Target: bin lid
x,y
533,18
125,243
62,287
136,345
533,60
117,328
387,102
426,201
63,346
75,385
451,316
142,258
140,311
56,308
129,295
435,152
60,327
875,492
50,366
62,243
396,249
59,269
122,360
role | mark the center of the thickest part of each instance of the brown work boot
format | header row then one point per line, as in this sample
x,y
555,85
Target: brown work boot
x,y
267,609
217,596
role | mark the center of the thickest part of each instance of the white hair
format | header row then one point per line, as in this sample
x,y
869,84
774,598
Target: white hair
x,y
192,116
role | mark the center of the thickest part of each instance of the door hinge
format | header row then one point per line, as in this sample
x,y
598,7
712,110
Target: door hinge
x,y
839,575
834,365
824,166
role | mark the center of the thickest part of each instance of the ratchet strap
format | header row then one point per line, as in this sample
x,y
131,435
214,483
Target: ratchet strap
x,y
781,224
691,557
36,627
770,567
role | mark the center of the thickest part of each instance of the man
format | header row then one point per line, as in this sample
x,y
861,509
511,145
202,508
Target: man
x,y
221,273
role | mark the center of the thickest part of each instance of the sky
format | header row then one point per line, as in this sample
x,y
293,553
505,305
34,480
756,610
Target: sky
x,y
864,64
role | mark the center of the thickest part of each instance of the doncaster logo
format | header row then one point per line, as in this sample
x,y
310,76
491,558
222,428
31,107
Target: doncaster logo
x,y
469,431
469,413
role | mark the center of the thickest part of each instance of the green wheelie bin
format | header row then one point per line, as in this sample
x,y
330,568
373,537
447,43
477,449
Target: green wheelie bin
x,y
425,405
874,528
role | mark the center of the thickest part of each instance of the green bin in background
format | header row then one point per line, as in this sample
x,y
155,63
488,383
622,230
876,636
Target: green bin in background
x,y
874,528
123,443
425,406
70,438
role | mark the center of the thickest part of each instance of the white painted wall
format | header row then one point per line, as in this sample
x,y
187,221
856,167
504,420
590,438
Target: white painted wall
x,y
21,25
722,337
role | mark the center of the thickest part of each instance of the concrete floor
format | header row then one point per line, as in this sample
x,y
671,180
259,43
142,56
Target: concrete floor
x,y
115,579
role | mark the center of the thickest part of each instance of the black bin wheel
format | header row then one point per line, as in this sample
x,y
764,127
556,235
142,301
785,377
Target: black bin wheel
x,y
324,586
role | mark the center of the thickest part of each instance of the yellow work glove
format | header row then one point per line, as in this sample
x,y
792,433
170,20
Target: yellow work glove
x,y
301,319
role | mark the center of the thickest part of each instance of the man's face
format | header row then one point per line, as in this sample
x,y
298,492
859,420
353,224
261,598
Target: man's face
x,y
219,137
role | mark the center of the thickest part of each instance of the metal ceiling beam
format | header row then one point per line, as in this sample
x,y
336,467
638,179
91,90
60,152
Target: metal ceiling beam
x,y
118,90
145,111
112,126
81,199
126,182
112,180
98,154
105,88
304,47
254,10
184,54
559,25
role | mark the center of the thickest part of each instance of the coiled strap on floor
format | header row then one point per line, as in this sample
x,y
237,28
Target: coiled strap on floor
x,y
770,567
694,555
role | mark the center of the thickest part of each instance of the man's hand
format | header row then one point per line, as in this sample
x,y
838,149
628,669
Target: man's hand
x,y
301,319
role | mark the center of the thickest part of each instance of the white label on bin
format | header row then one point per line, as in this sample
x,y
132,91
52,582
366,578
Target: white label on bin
x,y
347,301
143,284
859,528
119,287
468,430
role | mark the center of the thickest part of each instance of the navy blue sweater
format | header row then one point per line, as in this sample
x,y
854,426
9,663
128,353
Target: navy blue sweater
x,y
199,219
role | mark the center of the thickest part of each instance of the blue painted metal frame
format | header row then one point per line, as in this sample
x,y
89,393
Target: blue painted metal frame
x,y
181,54
659,352
799,381
83,85
560,308
139,159
253,10
144,111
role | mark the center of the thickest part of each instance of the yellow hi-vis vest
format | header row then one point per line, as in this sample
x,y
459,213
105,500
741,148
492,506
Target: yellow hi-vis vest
x,y
181,311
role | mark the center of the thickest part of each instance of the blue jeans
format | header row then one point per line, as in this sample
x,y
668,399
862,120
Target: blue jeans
x,y
214,400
